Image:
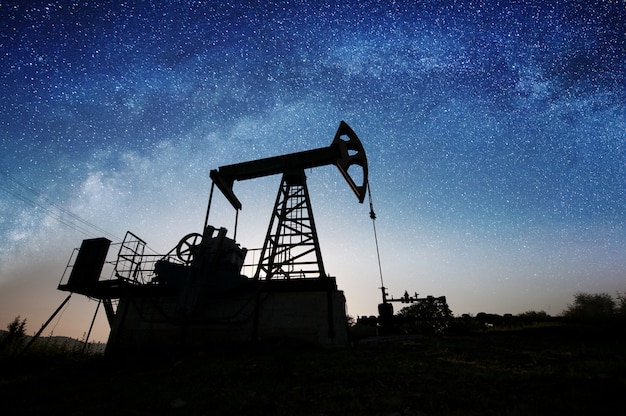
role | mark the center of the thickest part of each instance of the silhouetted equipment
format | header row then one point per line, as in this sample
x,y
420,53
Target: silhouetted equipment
x,y
43,327
291,238
196,295
88,266
386,313
385,317
342,153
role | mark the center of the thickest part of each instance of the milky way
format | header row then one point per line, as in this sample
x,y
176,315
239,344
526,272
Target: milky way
x,y
495,136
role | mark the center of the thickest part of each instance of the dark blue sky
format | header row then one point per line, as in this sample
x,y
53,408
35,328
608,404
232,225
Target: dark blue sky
x,y
495,133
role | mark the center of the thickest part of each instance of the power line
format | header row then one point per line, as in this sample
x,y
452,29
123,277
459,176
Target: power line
x,y
45,210
75,222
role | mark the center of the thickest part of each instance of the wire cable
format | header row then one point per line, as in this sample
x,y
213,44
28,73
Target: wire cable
x,y
75,222
373,217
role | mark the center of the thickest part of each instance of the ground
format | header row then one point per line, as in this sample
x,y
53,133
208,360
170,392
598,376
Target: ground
x,y
548,370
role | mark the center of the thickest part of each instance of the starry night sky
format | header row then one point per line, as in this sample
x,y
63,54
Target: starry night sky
x,y
495,135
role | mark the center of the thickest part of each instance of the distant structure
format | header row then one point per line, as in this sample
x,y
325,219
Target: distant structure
x,y
386,321
196,296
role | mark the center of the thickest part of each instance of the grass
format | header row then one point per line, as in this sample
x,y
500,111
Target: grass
x,y
552,370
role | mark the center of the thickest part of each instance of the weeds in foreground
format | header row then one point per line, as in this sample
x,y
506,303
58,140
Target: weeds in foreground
x,y
51,347
551,370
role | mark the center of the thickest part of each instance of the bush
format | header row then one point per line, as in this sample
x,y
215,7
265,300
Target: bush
x,y
621,304
430,315
591,306
14,339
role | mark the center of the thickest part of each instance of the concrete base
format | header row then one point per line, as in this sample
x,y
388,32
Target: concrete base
x,y
144,324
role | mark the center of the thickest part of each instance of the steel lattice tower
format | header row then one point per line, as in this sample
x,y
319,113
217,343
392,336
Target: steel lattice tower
x,y
291,249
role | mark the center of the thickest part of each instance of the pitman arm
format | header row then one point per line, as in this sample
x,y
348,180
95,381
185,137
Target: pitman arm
x,y
342,153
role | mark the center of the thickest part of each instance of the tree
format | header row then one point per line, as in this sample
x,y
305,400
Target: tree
x,y
16,334
597,305
427,315
534,315
621,304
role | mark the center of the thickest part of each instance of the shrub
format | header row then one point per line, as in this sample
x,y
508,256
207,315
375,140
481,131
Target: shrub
x,y
14,339
430,315
585,306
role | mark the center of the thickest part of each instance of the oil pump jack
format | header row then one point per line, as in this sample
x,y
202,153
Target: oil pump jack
x,y
195,295
292,233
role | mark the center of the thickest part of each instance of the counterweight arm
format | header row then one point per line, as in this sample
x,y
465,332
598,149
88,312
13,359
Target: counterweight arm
x,y
342,153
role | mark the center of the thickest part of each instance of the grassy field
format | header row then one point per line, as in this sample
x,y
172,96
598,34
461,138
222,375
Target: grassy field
x,y
554,370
